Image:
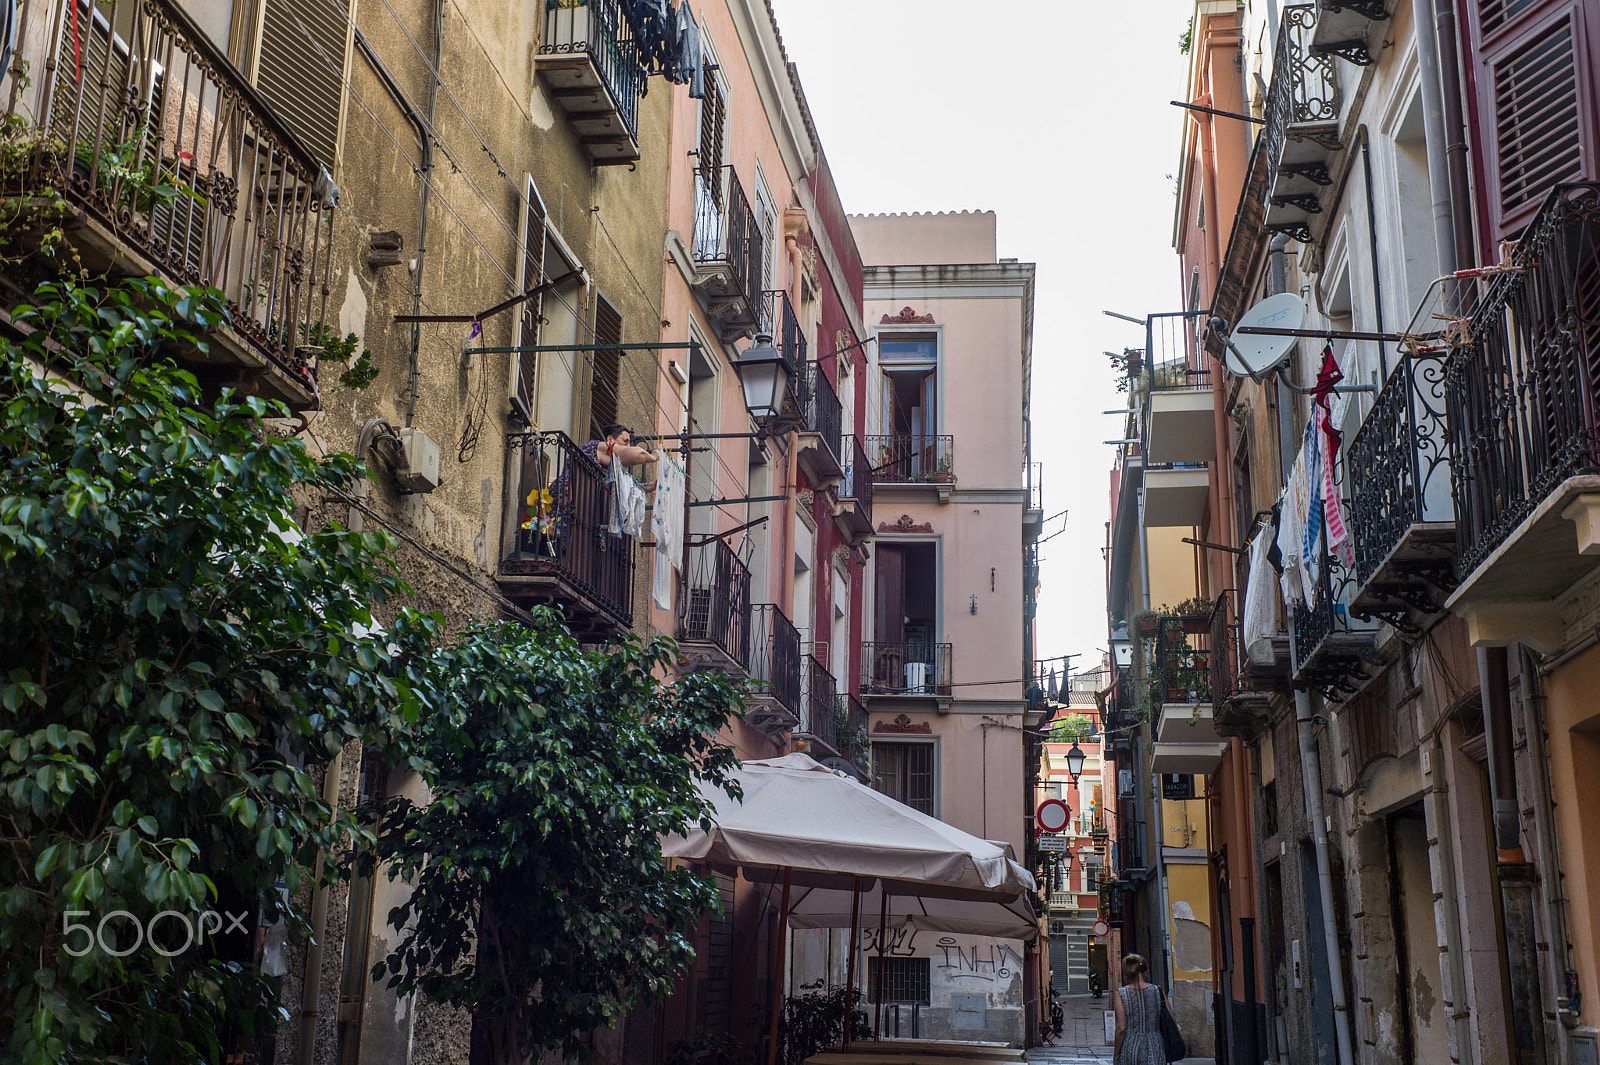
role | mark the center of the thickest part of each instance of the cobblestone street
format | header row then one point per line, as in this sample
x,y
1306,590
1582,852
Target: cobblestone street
x,y
1083,1035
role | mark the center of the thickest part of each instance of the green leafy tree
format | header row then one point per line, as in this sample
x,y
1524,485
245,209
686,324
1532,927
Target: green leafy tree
x,y
174,663
541,901
1073,727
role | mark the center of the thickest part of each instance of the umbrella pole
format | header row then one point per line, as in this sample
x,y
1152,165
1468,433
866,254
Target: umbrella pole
x,y
777,968
883,934
850,963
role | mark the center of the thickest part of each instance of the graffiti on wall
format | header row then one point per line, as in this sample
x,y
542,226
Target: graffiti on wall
x,y
897,942
988,961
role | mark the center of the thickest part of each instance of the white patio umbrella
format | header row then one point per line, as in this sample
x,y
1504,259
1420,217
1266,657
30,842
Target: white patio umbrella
x,y
837,839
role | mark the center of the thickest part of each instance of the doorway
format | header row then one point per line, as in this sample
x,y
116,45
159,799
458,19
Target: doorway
x,y
905,614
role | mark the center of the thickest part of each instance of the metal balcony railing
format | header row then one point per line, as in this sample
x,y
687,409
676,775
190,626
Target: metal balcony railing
x,y
779,321
854,745
1130,846
1304,90
1172,376
563,524
725,231
715,607
1523,400
917,667
819,404
1398,463
1180,659
600,30
1224,651
1034,472
160,141
858,477
912,458
822,706
775,655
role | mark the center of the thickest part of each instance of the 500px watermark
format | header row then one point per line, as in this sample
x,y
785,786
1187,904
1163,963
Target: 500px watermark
x,y
193,930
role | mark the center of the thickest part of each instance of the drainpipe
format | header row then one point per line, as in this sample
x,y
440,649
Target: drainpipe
x,y
1247,925
1515,874
1455,133
1311,780
1144,543
1438,794
1372,248
1433,134
311,984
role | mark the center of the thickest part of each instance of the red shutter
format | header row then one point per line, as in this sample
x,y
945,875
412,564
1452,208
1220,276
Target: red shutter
x,y
1536,103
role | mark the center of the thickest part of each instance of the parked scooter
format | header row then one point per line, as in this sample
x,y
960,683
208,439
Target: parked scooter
x,y
1094,985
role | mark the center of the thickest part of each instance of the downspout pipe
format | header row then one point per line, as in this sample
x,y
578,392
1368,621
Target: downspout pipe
x,y
1372,249
1311,780
1455,132
1433,136
311,983
1460,1013
1494,683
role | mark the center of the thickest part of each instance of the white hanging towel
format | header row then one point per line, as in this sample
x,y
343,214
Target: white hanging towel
x,y
666,525
1260,616
627,503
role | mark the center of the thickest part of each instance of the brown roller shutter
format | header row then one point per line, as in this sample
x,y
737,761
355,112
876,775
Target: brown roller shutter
x,y
302,68
711,121
606,373
1536,120
530,272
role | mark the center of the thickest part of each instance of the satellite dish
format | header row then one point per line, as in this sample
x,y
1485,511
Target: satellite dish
x,y
1255,355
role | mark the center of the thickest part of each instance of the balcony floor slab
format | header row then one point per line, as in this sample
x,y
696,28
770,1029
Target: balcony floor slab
x,y
1416,575
1538,560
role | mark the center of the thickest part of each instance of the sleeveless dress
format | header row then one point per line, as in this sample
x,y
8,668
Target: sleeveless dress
x,y
1141,1042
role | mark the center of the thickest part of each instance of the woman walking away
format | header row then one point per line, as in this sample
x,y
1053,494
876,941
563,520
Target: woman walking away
x,y
1138,1005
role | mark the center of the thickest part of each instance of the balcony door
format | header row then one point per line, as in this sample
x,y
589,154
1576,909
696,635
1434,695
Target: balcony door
x,y
905,614
910,396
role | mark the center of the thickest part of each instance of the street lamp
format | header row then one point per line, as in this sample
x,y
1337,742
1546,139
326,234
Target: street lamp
x,y
1075,760
764,374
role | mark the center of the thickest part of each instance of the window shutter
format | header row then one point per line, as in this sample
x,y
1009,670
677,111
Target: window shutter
x,y
711,119
530,272
606,376
1536,117
302,67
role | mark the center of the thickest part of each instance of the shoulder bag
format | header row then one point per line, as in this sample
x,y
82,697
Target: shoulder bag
x,y
1171,1038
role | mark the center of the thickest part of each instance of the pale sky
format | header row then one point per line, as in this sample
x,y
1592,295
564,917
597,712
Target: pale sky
x,y
1055,115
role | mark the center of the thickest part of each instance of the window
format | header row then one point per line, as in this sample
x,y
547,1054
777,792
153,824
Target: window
x,y
903,980
300,69
909,406
904,771
530,272
605,368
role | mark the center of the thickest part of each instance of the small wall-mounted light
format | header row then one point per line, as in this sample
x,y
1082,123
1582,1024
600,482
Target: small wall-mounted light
x,y
974,604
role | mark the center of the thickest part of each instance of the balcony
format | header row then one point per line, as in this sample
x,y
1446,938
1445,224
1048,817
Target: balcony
x,y
821,417
559,549
1349,28
852,513
1175,494
1237,708
1524,407
1179,658
714,612
1033,513
906,459
775,666
834,723
728,254
1402,516
1130,847
917,669
173,164
1301,135
592,68
1185,759
1335,652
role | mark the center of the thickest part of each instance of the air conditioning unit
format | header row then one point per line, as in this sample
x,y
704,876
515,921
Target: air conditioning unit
x,y
417,468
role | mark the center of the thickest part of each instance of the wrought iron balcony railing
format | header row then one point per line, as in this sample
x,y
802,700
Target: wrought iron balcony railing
x,y
1180,659
912,458
156,137
715,605
1398,463
775,655
1174,376
562,528
917,667
780,322
858,478
820,409
1331,647
854,745
1224,652
1523,400
600,30
1130,846
1303,101
728,245
822,706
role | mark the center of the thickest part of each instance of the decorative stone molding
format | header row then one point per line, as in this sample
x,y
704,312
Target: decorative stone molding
x,y
903,725
907,316
805,497
846,348
905,525
841,560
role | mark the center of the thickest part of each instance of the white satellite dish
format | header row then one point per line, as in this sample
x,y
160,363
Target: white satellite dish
x,y
1255,355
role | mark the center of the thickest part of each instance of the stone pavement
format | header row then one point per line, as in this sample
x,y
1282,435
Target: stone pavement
x,y
1083,1035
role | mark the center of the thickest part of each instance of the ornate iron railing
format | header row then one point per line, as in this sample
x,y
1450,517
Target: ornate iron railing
x,y
775,654
780,322
715,605
564,522
157,138
820,405
1180,659
1130,845
1304,89
725,231
908,458
1224,651
1399,462
1522,400
858,476
822,706
854,745
598,29
917,667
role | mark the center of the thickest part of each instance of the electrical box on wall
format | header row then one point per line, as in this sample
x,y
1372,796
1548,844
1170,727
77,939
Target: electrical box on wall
x,y
418,468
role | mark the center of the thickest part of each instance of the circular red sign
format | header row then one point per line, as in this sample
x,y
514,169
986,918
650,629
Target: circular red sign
x,y
1101,928
1053,815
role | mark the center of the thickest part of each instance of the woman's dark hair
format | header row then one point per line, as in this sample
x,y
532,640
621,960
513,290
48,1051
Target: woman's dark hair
x,y
616,430
1132,966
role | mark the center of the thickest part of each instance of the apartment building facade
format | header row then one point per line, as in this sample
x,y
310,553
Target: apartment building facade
x,y
1394,676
